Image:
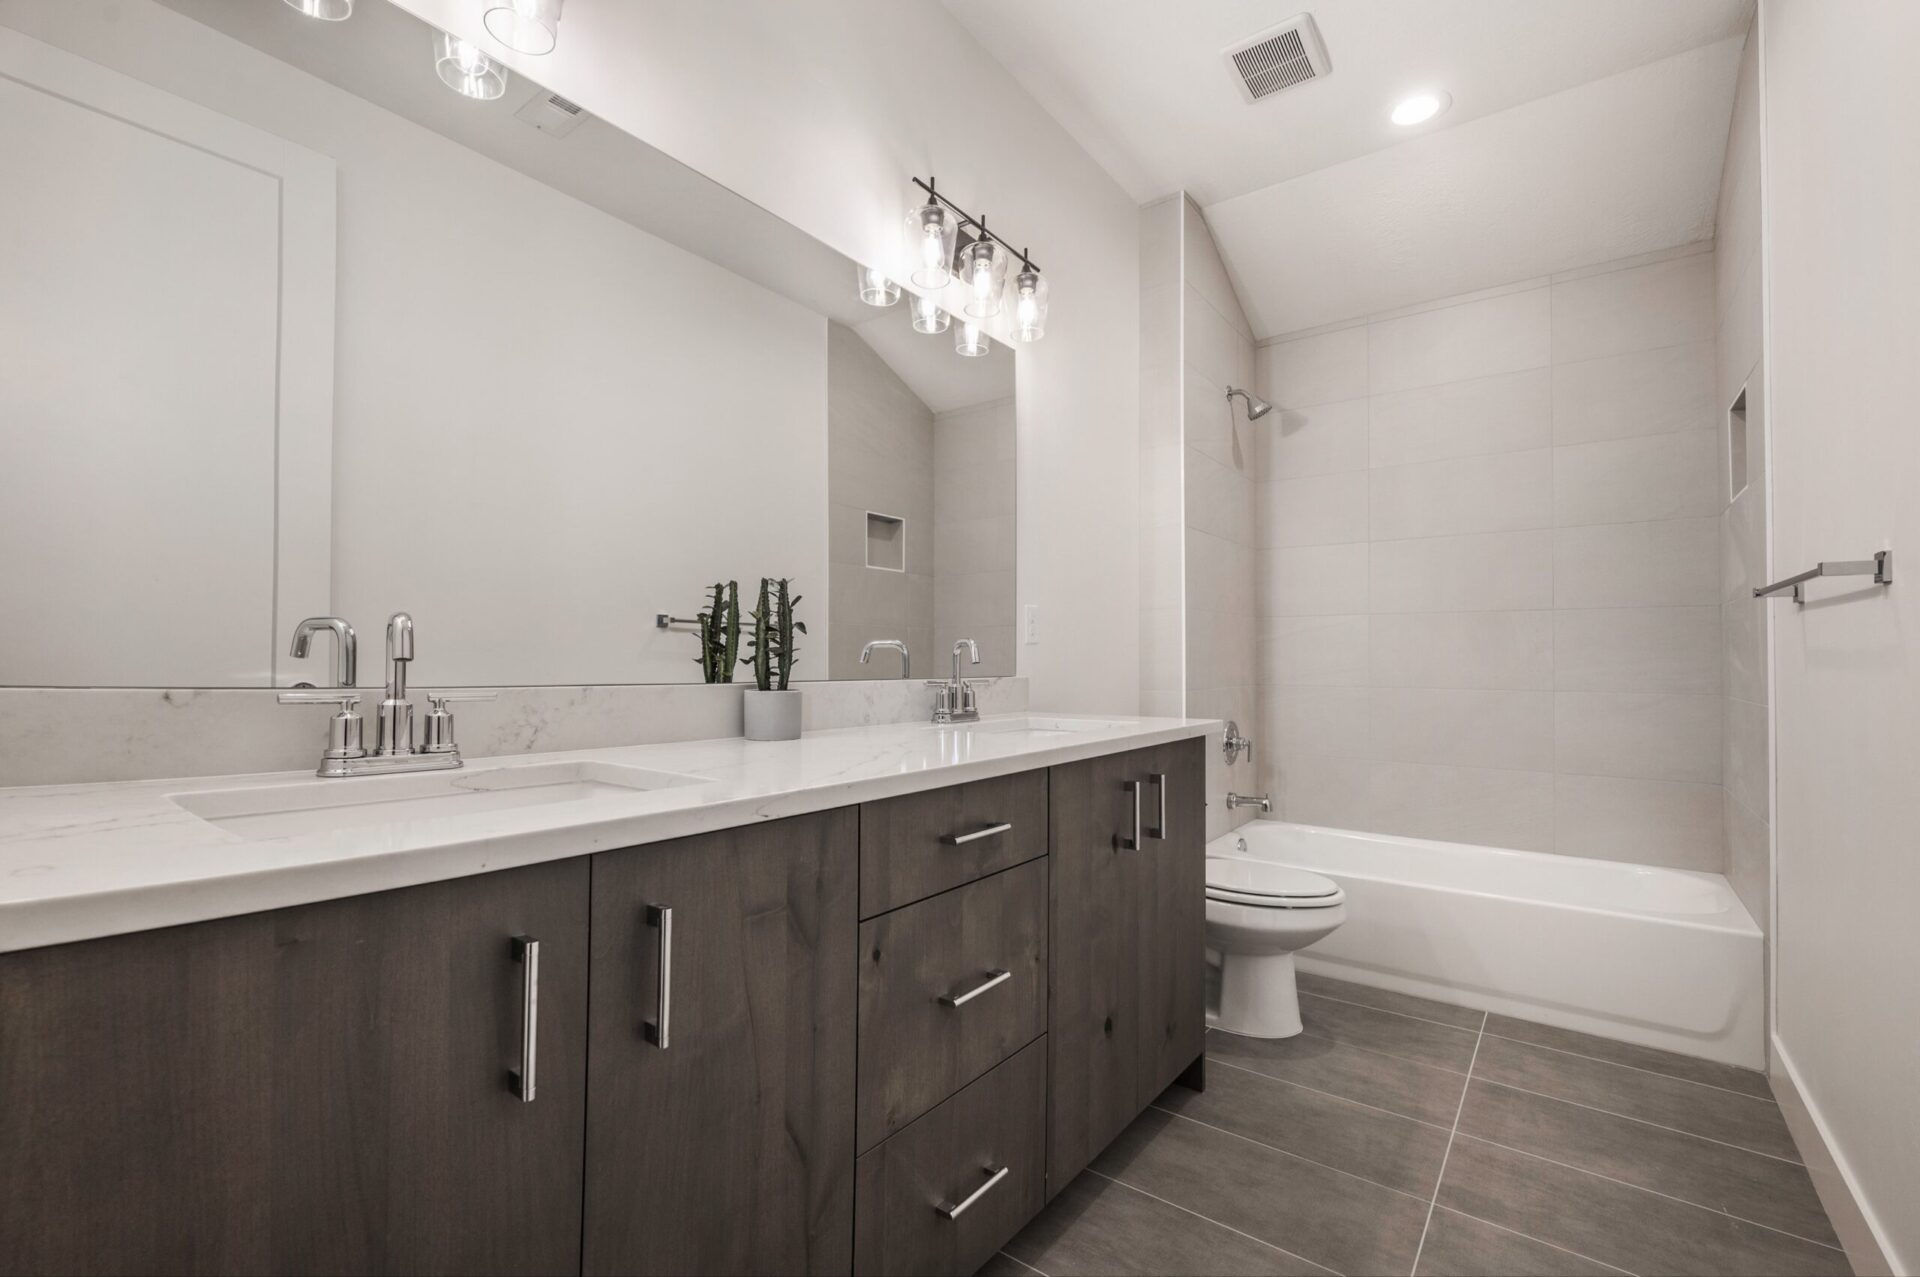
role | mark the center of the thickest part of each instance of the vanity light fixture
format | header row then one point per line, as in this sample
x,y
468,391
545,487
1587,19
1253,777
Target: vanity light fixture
x,y
980,260
928,316
931,231
984,274
971,340
325,10
1029,303
463,68
1418,108
875,288
525,26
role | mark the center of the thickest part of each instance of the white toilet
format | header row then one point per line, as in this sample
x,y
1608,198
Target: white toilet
x,y
1258,914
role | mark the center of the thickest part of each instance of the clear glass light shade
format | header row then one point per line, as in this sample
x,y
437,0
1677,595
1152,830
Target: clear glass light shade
x,y
970,339
984,274
325,10
1029,297
525,26
931,232
928,317
466,70
875,288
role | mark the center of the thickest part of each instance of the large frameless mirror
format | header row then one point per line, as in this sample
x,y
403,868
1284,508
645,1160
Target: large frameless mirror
x,y
340,318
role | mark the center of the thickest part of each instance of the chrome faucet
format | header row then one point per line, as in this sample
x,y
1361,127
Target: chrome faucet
x,y
1261,801
954,701
346,754
906,659
346,650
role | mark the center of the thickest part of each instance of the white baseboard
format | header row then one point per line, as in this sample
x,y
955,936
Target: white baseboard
x,y
1859,1232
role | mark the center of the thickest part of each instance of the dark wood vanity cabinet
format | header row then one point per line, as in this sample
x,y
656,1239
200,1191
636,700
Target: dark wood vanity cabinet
x,y
721,1052
322,1089
1128,934
869,1040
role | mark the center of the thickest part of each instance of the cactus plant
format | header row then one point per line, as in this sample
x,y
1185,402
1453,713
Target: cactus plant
x,y
720,634
774,651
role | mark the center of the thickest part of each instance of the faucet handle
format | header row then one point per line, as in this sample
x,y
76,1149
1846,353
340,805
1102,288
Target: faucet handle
x,y
344,739
437,731
345,700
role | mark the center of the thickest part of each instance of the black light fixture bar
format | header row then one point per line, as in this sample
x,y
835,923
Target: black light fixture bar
x,y
978,223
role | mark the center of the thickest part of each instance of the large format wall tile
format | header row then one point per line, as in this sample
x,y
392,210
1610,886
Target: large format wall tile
x,y
1498,808
1468,728
1668,303
1659,649
1508,412
1646,392
1673,563
1462,649
1458,343
1499,571
1323,439
1652,735
1648,822
1670,476
1506,492
1314,370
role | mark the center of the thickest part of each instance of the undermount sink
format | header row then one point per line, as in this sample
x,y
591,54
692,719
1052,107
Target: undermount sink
x,y
1034,724
315,806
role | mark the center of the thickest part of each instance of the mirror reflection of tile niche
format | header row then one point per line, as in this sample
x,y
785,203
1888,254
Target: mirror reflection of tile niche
x,y
378,347
934,448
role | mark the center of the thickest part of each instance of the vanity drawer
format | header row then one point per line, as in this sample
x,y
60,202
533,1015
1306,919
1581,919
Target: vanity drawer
x,y
949,987
916,845
906,1190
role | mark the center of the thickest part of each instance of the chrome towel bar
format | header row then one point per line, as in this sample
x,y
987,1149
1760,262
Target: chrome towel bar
x,y
1880,567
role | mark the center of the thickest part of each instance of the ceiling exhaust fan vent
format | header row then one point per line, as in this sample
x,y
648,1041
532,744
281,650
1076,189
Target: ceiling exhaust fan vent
x,y
1278,58
551,114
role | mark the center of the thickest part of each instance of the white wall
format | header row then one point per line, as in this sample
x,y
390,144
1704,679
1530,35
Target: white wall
x,y
822,113
529,430
1842,264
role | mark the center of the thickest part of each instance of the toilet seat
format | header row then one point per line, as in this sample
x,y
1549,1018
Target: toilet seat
x,y
1260,884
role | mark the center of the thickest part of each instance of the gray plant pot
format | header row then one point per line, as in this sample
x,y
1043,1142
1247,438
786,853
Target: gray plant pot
x,y
773,715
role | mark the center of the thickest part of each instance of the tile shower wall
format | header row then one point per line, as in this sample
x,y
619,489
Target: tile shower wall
x,y
1162,530
1489,578
1746,761
880,458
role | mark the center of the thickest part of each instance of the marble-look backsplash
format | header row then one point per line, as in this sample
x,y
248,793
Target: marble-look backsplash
x,y
58,736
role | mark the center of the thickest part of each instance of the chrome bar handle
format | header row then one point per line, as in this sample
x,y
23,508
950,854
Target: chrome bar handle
x,y
1879,567
993,1177
661,917
994,978
1159,831
1133,843
961,840
526,951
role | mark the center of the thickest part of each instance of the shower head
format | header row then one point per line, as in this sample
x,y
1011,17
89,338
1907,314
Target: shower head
x,y
1256,407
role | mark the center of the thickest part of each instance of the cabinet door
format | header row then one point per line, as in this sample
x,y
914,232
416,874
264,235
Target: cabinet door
x,y
720,1132
1094,1031
320,1089
1173,915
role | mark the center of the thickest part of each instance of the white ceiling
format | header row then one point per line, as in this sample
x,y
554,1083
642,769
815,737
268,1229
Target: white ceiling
x,y
1580,130
1611,169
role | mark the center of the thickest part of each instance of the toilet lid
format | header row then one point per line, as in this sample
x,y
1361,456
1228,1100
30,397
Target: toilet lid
x,y
1261,882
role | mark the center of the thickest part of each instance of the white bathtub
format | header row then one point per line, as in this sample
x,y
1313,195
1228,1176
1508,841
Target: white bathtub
x,y
1663,957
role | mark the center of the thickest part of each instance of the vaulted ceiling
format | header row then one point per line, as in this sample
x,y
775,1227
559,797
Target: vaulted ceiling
x,y
1580,130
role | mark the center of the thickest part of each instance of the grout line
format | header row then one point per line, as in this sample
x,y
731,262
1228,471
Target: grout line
x,y
1328,997
1434,1203
1023,1263
1530,1237
1332,1095
1581,1055
1628,1117
1365,1050
1275,1148
1135,1188
1642,1188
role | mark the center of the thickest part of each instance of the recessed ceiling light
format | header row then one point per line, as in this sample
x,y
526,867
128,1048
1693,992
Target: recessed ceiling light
x,y
1418,108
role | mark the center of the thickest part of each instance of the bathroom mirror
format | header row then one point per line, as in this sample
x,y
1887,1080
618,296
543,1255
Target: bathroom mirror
x,y
292,328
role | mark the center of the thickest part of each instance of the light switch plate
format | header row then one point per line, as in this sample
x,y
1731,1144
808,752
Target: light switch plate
x,y
1030,624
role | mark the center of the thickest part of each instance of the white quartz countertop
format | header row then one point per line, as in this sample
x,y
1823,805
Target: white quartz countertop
x,y
81,861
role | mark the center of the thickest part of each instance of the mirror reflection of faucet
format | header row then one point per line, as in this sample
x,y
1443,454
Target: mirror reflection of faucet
x,y
898,645
394,751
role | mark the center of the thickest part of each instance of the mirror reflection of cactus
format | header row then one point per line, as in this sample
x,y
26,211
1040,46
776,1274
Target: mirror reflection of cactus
x,y
720,634
774,653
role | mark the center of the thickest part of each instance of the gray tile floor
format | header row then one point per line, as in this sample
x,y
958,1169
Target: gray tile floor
x,y
1398,1135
